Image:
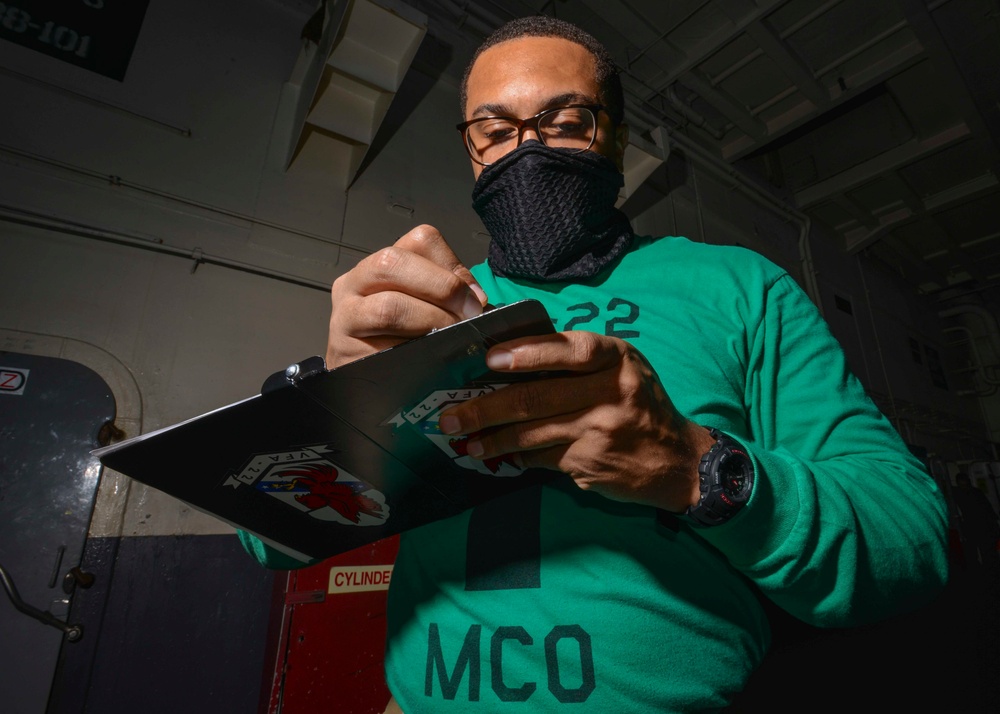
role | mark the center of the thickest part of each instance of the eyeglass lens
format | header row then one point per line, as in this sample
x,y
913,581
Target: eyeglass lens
x,y
493,138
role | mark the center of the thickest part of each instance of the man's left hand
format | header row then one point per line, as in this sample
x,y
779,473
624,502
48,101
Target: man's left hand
x,y
606,421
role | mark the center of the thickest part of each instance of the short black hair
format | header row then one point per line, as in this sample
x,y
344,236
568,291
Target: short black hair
x,y
608,80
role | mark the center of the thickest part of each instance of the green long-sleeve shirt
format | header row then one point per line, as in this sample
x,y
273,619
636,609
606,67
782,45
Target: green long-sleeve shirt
x,y
556,599
559,599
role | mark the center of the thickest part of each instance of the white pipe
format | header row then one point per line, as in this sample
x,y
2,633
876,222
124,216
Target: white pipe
x,y
989,322
979,369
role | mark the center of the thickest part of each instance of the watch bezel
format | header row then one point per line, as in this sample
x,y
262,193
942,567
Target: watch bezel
x,y
717,504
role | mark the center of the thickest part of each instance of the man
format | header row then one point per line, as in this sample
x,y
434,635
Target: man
x,y
713,445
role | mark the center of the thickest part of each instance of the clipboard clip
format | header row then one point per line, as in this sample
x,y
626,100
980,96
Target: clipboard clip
x,y
293,373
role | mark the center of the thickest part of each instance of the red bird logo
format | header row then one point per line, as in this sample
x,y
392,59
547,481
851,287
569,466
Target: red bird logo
x,y
345,497
461,448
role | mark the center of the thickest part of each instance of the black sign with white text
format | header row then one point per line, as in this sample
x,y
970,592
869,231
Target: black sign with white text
x,y
98,35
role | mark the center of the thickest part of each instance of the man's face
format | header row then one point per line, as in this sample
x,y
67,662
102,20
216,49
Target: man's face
x,y
520,78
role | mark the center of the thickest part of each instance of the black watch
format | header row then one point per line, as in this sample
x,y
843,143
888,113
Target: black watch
x,y
726,479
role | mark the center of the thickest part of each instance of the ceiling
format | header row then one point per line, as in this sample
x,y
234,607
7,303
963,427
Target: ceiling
x,y
878,118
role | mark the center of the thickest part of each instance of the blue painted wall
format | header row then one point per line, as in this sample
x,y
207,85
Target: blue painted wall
x,y
174,624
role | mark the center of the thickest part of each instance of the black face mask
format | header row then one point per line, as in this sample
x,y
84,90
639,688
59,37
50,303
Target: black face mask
x,y
551,213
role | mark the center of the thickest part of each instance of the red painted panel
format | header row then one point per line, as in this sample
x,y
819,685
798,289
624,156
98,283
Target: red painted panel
x,y
334,635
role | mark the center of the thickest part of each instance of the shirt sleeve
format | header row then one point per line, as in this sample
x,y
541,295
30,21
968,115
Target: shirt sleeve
x,y
844,525
268,556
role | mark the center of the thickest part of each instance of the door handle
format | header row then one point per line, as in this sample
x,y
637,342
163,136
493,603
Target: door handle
x,y
73,632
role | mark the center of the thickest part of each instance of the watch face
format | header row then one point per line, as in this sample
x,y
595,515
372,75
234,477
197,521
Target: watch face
x,y
726,480
736,476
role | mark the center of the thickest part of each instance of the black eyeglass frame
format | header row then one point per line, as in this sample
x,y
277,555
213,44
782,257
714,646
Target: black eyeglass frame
x,y
529,123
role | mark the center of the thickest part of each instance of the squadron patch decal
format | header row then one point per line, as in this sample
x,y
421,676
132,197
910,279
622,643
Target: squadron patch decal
x,y
425,417
307,480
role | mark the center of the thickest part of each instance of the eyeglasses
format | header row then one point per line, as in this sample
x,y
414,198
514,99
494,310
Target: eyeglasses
x,y
489,139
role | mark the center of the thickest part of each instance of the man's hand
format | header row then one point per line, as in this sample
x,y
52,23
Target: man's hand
x,y
400,292
609,424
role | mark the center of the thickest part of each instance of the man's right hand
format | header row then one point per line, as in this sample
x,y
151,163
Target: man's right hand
x,y
404,291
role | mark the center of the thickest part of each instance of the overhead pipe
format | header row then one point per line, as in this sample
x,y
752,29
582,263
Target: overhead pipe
x,y
481,21
687,113
87,99
118,181
13,214
695,117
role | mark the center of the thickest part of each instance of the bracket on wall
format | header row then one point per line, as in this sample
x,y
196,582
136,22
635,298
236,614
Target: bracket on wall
x,y
341,87
641,159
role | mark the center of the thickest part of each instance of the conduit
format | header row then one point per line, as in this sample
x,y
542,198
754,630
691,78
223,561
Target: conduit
x,y
124,183
12,214
182,130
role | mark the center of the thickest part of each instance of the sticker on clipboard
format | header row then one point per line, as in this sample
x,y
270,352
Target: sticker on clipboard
x,y
425,418
307,480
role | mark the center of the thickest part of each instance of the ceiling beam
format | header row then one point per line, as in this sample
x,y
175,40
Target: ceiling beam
x,y
891,160
910,267
860,238
927,32
624,20
789,63
718,39
745,12
879,71
733,110
856,210
961,258
973,188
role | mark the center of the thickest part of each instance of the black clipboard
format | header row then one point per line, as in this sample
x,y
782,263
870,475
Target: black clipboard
x,y
325,461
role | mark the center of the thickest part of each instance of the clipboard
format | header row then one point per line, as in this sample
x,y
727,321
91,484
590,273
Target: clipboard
x,y
325,461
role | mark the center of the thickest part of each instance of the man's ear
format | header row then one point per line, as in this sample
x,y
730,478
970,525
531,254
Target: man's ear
x,y
621,141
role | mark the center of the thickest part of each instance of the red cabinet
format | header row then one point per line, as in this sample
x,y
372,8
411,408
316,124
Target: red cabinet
x,y
331,639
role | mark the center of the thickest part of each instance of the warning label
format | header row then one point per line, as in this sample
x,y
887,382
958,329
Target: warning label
x,y
359,579
12,380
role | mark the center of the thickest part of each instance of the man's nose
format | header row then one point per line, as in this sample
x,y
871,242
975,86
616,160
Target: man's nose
x,y
528,132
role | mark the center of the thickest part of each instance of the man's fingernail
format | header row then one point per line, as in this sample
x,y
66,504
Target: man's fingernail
x,y
480,293
471,307
450,425
500,359
475,449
